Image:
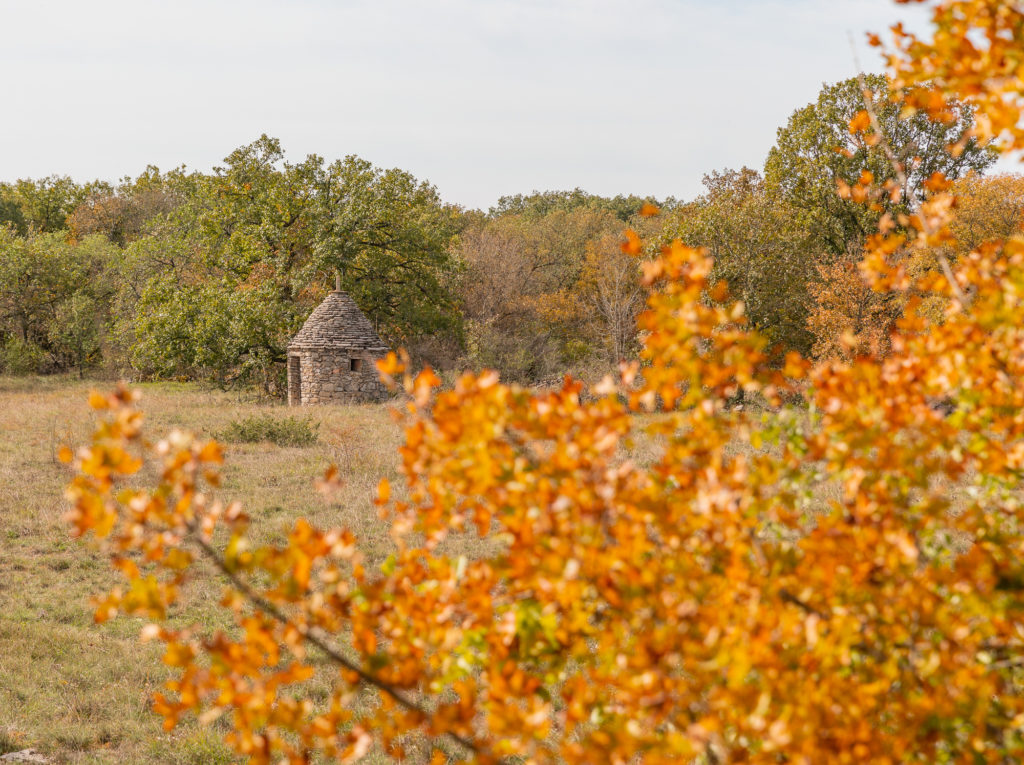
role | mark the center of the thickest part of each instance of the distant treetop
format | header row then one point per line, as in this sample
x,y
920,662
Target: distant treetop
x,y
540,203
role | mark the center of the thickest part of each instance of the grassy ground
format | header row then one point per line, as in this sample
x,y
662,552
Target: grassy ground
x,y
76,691
79,692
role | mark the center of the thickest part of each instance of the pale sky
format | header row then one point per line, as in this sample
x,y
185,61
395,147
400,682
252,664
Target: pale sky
x,y
480,97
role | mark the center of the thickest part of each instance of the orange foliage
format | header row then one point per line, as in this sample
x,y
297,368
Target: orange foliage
x,y
710,604
849,318
974,54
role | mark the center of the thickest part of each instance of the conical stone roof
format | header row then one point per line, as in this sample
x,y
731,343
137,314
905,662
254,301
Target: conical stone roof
x,y
337,324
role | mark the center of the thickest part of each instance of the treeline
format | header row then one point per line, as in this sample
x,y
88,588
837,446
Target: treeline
x,y
207,275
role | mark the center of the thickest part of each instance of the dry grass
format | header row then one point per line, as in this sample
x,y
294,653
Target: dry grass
x,y
77,691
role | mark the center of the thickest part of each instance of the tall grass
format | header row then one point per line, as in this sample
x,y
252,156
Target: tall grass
x,y
281,431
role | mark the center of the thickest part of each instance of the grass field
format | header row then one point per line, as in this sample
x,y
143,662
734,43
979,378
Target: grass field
x,y
76,691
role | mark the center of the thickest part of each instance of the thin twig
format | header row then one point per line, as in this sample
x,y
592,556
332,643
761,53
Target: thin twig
x,y
787,597
901,176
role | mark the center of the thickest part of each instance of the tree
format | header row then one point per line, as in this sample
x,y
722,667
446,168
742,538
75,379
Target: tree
x,y
818,152
501,328
222,280
712,603
43,205
541,203
815,152
390,237
41,277
122,215
613,291
848,316
758,250
528,312
76,331
987,208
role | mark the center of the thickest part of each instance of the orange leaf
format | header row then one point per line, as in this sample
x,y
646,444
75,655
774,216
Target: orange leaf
x,y
632,245
211,452
861,122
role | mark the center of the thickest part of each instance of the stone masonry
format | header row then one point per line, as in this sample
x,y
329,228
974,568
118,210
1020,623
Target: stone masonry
x,y
331,359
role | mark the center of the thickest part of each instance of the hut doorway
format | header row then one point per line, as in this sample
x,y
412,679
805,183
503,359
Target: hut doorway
x,y
294,380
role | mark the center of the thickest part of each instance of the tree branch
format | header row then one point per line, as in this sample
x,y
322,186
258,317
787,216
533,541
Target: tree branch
x,y
901,177
315,639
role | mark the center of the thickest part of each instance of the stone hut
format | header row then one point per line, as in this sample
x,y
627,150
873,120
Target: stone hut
x,y
331,359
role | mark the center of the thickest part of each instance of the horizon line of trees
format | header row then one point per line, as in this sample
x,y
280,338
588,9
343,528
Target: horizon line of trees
x,y
206,276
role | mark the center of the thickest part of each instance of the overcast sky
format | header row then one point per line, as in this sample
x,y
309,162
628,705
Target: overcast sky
x,y
480,97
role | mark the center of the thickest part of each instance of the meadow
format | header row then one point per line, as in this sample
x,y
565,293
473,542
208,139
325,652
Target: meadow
x,y
79,692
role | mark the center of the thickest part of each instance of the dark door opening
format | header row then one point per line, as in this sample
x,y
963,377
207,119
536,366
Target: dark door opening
x,y
294,381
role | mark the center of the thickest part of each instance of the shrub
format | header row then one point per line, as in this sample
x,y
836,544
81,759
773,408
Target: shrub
x,y
21,357
283,431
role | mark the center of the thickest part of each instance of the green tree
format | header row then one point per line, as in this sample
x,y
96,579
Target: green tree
x,y
541,203
815,152
53,299
11,215
43,205
34,278
758,250
223,279
75,332
389,235
185,307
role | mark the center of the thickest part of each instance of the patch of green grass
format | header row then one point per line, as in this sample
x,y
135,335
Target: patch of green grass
x,y
282,431
198,747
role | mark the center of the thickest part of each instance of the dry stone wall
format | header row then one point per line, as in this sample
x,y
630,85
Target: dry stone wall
x,y
326,377
332,358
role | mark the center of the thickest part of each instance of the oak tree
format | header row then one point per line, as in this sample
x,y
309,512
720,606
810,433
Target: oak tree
x,y
815,152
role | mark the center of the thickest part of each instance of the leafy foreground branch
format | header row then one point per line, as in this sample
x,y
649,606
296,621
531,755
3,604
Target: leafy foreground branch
x,y
172,526
708,604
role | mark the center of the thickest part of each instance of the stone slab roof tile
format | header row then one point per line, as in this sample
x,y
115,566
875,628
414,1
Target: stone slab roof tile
x,y
337,324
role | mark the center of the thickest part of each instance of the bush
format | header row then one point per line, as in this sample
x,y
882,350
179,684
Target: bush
x,y
21,357
285,431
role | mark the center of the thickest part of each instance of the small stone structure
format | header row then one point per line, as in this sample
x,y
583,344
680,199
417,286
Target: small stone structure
x,y
331,359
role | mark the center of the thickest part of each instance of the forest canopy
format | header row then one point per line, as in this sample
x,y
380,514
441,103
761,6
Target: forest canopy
x,y
189,275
